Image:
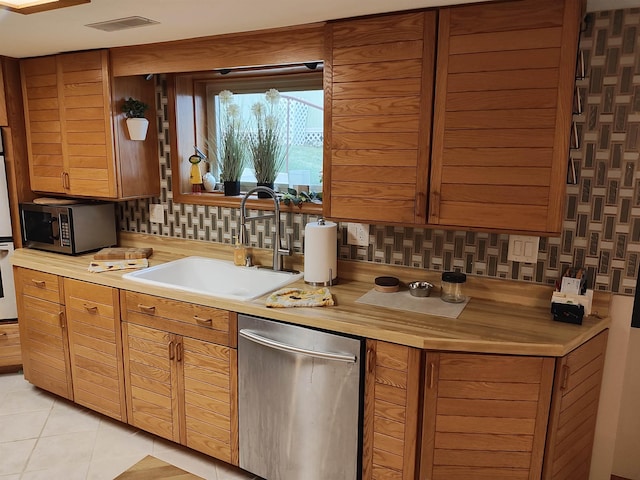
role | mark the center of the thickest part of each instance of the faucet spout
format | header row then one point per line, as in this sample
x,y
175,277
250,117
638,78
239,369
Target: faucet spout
x,y
278,251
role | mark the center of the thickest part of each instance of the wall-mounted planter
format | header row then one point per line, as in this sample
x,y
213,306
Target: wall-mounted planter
x,y
137,128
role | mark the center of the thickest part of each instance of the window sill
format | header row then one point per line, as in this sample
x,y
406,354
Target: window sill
x,y
220,200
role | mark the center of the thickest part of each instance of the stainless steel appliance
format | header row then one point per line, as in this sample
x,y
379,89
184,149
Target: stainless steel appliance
x,y
72,229
299,401
7,290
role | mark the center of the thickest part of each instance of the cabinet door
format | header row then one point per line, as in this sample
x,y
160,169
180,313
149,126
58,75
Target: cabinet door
x,y
44,124
43,331
151,380
377,117
86,120
4,118
573,411
10,345
391,413
95,347
503,110
210,399
485,416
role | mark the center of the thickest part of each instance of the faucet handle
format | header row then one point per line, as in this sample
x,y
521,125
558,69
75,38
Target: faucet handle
x,y
288,249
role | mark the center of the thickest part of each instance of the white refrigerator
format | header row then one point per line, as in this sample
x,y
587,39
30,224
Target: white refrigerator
x,y
8,310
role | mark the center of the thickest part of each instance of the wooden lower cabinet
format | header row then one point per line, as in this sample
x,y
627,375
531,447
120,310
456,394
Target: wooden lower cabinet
x,y
391,411
485,416
43,331
10,355
572,421
181,387
95,347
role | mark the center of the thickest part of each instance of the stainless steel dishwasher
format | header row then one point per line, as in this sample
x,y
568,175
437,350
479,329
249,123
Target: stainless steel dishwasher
x,y
299,398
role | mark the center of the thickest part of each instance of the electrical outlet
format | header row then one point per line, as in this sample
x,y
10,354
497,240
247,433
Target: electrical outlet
x,y
358,234
156,213
523,248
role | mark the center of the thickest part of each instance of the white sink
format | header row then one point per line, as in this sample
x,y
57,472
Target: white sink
x,y
215,278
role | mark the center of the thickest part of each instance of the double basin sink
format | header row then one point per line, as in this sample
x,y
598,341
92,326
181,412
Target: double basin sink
x,y
215,278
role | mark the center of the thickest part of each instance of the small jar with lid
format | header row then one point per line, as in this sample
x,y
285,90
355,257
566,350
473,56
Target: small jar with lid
x,y
452,287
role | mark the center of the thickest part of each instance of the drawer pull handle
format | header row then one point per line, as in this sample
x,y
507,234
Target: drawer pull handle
x,y
39,283
147,308
172,351
91,309
179,352
431,373
3,334
61,318
371,360
203,321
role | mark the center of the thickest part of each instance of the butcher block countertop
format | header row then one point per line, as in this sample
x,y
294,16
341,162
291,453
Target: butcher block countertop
x,y
502,316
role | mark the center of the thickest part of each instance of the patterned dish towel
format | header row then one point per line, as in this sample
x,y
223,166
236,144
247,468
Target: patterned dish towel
x,y
295,297
111,265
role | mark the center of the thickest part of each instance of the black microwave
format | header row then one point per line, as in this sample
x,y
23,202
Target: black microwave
x,y
71,229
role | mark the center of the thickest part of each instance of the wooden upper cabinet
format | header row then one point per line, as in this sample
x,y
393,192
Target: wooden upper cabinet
x,y
70,134
378,97
503,107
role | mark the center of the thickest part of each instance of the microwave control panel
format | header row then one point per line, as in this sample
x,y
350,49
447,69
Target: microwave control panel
x,y
65,230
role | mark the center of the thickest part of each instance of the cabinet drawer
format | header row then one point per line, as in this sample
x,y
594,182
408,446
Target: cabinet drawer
x,y
182,318
10,353
37,284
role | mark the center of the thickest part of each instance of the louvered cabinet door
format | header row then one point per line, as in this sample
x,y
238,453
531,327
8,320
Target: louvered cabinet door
x,y
485,416
503,109
86,121
95,347
43,331
44,125
210,399
378,101
391,411
151,380
573,411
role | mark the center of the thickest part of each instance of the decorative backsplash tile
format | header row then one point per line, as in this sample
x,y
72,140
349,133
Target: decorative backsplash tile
x,y
601,229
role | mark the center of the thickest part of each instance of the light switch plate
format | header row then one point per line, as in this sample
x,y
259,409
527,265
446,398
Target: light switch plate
x,y
358,234
156,213
523,248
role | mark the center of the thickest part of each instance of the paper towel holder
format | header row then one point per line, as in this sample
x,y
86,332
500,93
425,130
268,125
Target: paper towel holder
x,y
333,280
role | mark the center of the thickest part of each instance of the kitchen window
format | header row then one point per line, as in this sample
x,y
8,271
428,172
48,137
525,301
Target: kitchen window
x,y
300,114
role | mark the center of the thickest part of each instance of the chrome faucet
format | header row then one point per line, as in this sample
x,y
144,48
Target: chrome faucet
x,y
278,251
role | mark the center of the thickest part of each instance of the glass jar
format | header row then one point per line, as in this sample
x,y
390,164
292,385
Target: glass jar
x,y
452,283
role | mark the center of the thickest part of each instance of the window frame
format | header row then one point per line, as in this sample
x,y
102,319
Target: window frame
x,y
189,104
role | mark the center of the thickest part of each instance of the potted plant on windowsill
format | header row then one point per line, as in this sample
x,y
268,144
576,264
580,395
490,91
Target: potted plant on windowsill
x,y
231,145
265,145
137,124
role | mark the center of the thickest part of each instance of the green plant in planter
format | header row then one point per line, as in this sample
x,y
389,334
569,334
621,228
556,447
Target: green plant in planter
x,y
134,108
293,197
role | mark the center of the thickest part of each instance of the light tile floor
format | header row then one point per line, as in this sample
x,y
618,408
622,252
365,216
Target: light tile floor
x,y
44,437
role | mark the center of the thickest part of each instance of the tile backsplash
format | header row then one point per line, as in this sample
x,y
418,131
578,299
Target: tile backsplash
x,y
601,229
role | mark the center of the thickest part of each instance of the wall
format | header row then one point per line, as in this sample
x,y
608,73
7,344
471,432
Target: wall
x,y
601,230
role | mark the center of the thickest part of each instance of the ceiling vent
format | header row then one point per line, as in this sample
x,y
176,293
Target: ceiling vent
x,y
122,24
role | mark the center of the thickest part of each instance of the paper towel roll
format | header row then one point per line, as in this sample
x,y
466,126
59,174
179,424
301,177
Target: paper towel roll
x,y
321,253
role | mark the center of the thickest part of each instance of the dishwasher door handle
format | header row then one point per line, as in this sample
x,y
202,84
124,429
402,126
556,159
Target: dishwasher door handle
x,y
268,342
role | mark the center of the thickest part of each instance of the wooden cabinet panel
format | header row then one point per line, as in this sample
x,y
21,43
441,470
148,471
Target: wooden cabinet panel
x,y
43,331
10,353
210,388
378,107
573,411
4,118
151,379
70,133
504,84
485,416
95,345
391,411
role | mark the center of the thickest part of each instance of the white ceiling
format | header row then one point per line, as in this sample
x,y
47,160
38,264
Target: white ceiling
x,y
64,30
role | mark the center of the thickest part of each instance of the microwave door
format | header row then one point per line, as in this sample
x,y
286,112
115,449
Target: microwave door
x,y
40,227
